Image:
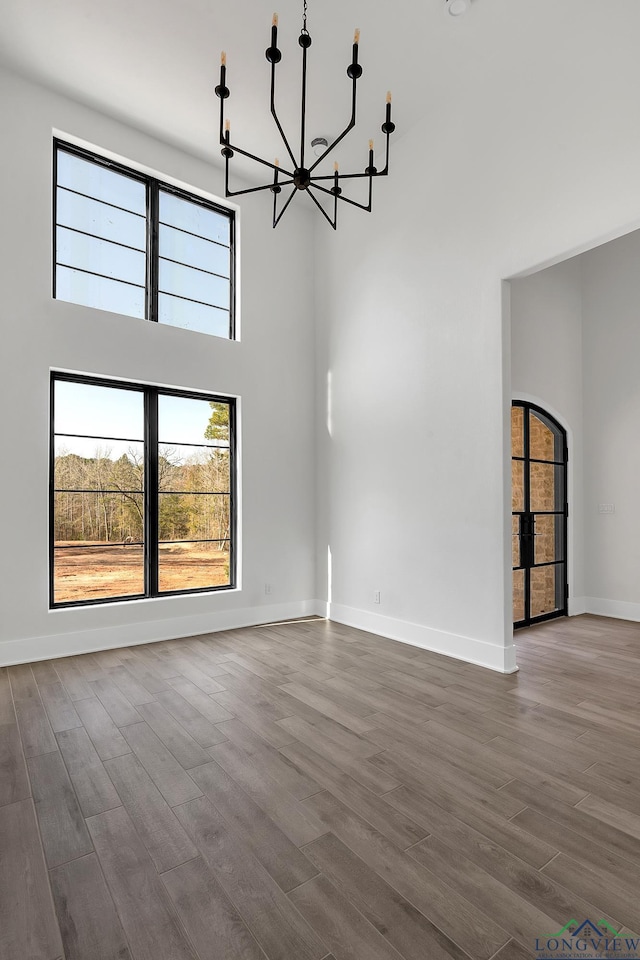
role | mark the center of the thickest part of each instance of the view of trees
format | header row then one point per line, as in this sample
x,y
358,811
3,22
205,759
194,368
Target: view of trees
x,y
113,510
194,485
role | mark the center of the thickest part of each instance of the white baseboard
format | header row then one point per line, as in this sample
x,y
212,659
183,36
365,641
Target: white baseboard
x,y
619,609
577,606
491,655
109,638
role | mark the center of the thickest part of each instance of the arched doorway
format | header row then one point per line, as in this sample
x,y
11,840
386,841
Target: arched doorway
x,y
539,515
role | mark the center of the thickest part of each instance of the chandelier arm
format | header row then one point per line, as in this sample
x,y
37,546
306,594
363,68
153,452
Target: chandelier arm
x,y
354,203
384,173
275,115
321,208
347,176
276,220
347,129
252,156
267,186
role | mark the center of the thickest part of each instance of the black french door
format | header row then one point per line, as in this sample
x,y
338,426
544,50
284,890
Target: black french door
x,y
539,515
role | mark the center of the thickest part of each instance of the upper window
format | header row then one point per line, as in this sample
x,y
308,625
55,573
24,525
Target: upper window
x,y
131,244
142,491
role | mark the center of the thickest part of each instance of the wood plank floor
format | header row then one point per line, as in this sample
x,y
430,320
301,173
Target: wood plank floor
x,y
306,791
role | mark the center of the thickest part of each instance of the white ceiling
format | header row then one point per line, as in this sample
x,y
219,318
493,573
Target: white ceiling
x,y
154,63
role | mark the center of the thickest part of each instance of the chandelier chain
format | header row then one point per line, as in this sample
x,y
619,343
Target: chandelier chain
x,y
304,18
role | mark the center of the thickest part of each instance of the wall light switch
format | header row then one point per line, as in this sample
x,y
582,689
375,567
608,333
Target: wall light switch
x,y
606,508
376,596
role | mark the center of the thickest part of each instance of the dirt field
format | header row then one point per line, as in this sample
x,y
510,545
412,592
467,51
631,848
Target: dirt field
x,y
85,572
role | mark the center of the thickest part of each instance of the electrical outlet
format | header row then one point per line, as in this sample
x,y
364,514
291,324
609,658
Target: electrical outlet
x,y
376,596
267,588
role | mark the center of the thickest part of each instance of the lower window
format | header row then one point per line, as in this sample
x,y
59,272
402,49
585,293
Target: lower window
x,y
142,491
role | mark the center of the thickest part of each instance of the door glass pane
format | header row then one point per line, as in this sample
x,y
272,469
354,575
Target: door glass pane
x,y
190,566
517,485
515,541
546,487
545,440
547,590
518,595
517,432
549,537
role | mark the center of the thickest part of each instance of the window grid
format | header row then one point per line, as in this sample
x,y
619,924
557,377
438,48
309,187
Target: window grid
x,y
161,305
151,493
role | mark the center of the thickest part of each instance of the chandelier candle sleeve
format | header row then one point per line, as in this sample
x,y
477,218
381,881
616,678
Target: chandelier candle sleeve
x,y
222,91
275,187
226,151
370,170
388,127
354,70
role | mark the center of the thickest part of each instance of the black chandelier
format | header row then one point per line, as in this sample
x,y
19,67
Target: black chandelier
x,y
301,177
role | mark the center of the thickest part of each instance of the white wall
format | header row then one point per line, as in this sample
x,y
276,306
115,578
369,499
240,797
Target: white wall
x,y
611,324
546,368
537,165
271,370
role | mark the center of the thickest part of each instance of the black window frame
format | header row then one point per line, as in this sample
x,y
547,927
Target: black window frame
x,y
151,551
153,187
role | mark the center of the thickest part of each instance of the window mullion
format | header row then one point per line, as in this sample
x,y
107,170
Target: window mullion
x,y
232,279
151,492
153,215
